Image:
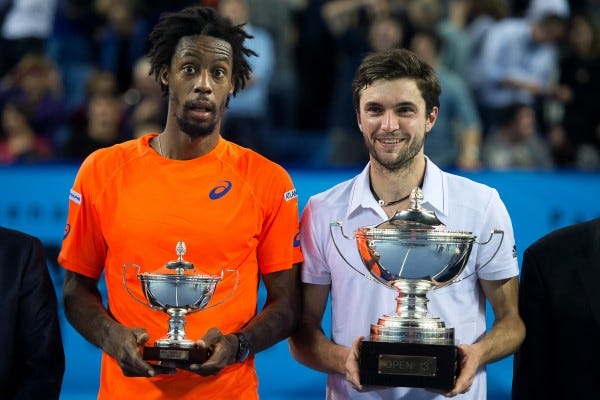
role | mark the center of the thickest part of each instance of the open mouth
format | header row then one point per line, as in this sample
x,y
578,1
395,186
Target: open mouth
x,y
200,109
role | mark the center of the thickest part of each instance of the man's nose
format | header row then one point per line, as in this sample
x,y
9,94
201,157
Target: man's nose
x,y
389,122
202,83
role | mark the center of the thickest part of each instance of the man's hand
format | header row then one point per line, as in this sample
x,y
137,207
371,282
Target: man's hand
x,y
469,362
124,345
221,351
352,368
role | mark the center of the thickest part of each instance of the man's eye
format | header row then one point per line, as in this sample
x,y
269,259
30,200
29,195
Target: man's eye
x,y
189,69
218,73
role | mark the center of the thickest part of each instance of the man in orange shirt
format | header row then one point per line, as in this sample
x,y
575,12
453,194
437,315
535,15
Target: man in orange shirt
x,y
233,208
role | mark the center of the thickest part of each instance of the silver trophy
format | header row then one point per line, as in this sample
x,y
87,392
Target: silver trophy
x,y
177,292
412,254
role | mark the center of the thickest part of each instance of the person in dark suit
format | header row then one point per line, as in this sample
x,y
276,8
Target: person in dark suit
x,y
560,305
32,360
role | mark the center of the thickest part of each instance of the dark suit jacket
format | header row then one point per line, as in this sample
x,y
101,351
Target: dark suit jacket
x,y
32,360
559,301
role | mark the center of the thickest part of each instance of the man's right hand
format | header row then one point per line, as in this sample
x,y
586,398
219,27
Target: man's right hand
x,y
125,346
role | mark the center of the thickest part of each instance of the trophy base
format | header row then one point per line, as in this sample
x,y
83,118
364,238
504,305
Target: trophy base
x,y
194,355
408,365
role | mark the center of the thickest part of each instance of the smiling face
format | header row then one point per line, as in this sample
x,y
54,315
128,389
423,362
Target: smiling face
x,y
199,81
394,121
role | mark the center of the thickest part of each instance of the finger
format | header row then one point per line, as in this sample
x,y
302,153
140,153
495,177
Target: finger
x,y
212,336
141,336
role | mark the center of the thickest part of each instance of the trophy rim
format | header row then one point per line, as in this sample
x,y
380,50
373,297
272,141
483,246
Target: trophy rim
x,y
152,276
416,234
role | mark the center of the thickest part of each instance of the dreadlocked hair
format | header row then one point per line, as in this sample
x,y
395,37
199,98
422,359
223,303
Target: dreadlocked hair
x,y
192,21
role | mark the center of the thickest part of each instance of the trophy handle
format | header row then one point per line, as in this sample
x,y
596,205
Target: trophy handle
x,y
339,223
125,266
494,232
233,289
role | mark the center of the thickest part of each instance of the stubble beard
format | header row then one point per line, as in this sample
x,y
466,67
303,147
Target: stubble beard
x,y
403,160
196,131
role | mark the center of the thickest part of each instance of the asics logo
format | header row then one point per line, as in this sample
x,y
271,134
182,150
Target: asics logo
x,y
67,231
297,240
220,190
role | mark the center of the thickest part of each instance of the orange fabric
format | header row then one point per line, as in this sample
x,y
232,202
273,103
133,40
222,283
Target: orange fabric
x,y
128,205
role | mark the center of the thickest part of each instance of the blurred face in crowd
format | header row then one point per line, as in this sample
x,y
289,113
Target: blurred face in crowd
x,y
385,33
524,123
104,117
424,48
200,82
393,119
236,10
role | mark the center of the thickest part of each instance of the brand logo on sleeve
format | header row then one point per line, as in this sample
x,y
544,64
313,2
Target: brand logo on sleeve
x,y
514,251
290,195
75,197
220,190
297,240
67,231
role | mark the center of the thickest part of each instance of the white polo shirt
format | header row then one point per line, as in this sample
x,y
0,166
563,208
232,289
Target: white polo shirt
x,y
357,302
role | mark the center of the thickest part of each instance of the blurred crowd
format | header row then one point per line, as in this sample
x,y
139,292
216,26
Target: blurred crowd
x,y
518,78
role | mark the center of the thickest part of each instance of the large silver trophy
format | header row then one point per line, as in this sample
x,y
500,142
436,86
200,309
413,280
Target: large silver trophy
x,y
412,254
177,292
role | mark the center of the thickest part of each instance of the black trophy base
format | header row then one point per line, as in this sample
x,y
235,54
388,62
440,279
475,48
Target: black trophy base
x,y
408,365
195,355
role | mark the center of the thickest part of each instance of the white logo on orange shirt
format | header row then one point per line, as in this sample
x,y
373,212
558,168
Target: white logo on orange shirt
x,y
75,197
290,195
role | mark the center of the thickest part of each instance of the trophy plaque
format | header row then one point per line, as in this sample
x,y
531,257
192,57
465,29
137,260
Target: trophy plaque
x,y
177,292
411,253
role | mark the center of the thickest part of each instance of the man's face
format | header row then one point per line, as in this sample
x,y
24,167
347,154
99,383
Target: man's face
x,y
392,117
199,81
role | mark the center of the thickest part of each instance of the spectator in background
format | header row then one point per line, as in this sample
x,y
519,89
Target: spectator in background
x,y
32,362
277,17
315,55
146,106
246,118
431,14
36,82
576,136
103,128
455,139
560,305
122,39
518,61
358,27
515,143
20,143
26,26
72,47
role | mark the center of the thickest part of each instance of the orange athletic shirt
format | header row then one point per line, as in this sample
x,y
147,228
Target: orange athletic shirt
x,y
233,208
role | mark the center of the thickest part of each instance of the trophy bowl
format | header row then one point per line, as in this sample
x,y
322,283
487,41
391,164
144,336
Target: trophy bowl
x,y
411,253
177,292
184,292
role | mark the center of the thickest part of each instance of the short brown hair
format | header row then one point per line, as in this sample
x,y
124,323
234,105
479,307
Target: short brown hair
x,y
396,64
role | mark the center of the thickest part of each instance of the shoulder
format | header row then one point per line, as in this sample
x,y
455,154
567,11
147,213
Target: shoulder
x,y
335,197
577,238
252,166
12,237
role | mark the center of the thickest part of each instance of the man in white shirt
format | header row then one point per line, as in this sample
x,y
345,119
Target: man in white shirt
x,y
396,98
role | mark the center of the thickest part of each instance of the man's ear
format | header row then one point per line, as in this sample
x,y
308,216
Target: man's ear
x,y
431,119
358,120
164,76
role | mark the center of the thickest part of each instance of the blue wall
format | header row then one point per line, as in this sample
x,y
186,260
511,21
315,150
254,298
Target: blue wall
x,y
34,199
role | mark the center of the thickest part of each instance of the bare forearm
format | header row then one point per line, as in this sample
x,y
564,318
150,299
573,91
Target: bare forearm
x,y
503,339
85,312
279,317
312,348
